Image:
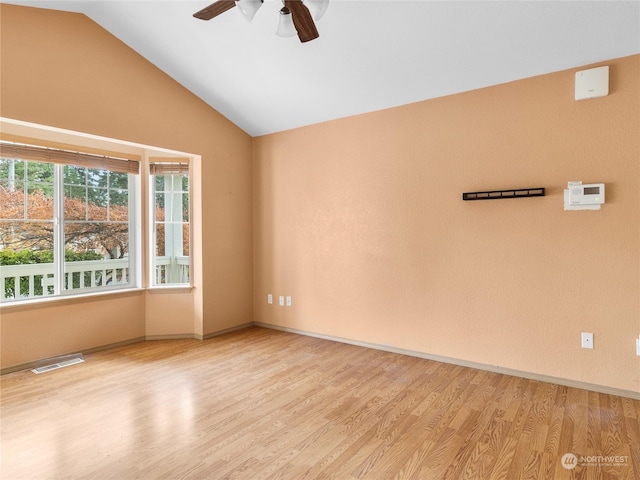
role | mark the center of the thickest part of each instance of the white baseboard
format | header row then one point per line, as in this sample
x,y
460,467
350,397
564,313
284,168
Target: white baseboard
x,y
85,351
175,336
463,363
227,330
196,336
179,336
387,348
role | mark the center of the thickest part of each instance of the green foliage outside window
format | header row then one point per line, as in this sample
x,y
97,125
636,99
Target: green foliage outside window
x,y
29,257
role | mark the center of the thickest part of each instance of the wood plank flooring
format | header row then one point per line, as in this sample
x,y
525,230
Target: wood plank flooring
x,y
263,404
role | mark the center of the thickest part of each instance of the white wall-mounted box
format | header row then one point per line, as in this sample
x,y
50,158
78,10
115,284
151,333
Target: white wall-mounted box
x,y
590,194
579,196
592,83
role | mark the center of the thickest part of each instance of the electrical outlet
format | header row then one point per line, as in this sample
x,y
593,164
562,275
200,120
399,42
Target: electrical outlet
x,y
587,340
269,298
288,300
638,346
281,301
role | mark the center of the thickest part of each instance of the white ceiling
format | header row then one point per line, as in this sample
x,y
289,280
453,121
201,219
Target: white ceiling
x,y
371,54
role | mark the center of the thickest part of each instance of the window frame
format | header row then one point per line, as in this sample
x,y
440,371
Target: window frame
x,y
151,219
18,131
60,159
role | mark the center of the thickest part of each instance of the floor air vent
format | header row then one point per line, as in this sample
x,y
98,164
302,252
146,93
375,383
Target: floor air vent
x,y
57,362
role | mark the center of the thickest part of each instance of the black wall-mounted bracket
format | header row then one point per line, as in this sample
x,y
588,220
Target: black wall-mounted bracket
x,y
511,193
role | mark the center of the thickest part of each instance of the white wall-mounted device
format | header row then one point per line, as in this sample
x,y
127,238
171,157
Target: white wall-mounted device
x,y
579,196
592,83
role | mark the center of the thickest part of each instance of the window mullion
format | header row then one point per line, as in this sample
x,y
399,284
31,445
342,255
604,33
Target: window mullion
x,y
176,223
58,228
25,196
135,234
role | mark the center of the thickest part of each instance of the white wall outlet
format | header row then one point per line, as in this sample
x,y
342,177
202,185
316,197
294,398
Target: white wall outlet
x,y
638,346
269,298
587,340
288,300
281,301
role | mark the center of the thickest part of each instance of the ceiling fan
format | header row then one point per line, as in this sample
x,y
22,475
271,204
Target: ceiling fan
x,y
296,17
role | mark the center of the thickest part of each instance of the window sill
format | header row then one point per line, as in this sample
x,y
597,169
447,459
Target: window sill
x,y
66,299
170,289
87,297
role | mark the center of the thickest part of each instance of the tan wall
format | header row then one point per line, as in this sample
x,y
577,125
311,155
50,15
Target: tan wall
x,y
361,221
63,70
37,332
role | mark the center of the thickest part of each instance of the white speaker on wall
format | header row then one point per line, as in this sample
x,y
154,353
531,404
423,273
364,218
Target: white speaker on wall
x,y
592,83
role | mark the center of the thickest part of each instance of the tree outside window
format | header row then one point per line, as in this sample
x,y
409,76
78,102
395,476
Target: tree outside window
x,y
93,238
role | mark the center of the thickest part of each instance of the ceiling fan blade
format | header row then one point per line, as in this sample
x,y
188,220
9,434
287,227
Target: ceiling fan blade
x,y
215,9
302,20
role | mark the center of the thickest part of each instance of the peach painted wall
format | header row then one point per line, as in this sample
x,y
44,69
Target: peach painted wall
x,y
43,331
63,70
361,221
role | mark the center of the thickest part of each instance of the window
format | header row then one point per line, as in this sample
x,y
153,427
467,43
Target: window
x,y
67,222
26,228
170,223
96,227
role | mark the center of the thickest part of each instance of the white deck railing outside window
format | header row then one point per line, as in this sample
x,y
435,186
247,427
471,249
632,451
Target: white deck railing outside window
x,y
22,282
172,270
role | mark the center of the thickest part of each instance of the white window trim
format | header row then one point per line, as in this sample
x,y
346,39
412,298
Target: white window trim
x,y
58,221
151,230
143,251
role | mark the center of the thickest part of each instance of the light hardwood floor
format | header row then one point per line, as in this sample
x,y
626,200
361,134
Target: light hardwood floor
x,y
263,404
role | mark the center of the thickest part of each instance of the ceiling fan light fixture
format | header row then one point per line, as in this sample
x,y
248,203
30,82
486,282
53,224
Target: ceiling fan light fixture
x,y
317,7
286,28
249,8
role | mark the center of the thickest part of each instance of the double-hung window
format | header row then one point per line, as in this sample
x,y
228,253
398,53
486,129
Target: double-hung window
x,y
170,222
67,222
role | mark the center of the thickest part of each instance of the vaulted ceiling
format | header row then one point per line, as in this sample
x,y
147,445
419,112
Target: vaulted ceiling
x,y
371,54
